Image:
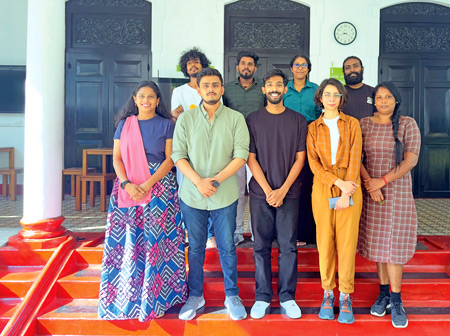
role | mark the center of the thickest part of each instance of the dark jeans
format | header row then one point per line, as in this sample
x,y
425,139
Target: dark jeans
x,y
224,223
269,223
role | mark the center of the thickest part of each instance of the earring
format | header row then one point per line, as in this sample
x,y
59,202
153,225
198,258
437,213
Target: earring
x,y
374,104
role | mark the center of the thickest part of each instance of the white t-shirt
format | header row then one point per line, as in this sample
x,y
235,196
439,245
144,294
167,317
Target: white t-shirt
x,y
185,96
334,136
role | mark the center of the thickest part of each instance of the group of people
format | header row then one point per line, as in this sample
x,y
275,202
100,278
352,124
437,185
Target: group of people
x,y
327,164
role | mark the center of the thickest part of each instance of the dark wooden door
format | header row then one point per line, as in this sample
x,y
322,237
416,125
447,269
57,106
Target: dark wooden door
x,y
97,87
415,55
276,31
107,54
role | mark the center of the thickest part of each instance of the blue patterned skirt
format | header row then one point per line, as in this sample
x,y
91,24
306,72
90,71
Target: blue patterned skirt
x,y
143,267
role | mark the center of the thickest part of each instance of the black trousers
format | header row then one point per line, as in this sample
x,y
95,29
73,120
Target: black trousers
x,y
269,223
306,226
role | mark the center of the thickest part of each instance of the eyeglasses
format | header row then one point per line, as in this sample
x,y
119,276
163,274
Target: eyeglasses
x,y
329,95
298,65
387,97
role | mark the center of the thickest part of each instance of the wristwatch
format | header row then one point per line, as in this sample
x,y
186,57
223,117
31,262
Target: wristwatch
x,y
215,184
124,183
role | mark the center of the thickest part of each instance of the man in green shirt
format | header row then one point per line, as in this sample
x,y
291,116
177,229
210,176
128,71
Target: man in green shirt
x,y
244,95
210,144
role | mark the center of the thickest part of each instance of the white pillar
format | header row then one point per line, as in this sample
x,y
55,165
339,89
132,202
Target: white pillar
x,y
44,110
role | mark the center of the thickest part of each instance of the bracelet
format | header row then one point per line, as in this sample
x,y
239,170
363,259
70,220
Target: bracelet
x,y
197,183
384,179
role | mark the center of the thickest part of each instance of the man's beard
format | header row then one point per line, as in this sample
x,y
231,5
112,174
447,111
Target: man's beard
x,y
245,76
353,80
276,100
211,102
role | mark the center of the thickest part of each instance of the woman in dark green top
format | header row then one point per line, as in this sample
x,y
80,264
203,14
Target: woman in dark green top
x,y
300,98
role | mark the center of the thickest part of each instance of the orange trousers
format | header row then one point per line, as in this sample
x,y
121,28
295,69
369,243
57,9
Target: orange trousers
x,y
337,233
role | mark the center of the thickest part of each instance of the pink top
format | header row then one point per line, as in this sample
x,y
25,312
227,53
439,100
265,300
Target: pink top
x,y
134,161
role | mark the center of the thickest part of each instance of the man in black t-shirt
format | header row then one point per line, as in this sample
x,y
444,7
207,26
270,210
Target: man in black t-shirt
x,y
359,104
277,155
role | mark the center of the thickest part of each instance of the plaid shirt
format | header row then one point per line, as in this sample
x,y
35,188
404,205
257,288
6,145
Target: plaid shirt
x,y
348,154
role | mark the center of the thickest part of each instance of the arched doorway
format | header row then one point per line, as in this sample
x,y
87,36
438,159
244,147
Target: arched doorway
x,y
275,30
415,54
108,51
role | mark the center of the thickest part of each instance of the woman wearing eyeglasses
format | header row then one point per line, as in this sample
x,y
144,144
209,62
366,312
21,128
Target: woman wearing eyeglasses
x,y
300,98
334,145
388,229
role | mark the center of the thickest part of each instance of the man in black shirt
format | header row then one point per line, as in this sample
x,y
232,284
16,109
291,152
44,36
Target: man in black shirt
x,y
359,104
277,155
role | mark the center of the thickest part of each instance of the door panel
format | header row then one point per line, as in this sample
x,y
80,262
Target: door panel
x,y
425,88
86,104
436,127
404,73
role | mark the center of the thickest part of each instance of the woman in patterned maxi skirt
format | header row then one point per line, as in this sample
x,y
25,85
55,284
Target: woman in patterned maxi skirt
x,y
143,267
388,227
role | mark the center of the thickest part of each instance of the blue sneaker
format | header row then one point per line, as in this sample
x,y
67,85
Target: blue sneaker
x,y
398,315
381,306
327,308
345,310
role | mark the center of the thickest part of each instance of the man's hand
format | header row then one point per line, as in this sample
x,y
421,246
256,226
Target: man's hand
x,y
276,197
136,192
205,187
177,111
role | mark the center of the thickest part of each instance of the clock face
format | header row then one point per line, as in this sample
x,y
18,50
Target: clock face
x,y
345,33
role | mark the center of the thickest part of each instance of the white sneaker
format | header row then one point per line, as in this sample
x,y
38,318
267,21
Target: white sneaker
x,y
235,307
211,243
259,309
292,309
189,310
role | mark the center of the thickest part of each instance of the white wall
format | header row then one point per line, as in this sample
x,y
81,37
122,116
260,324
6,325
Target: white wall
x,y
178,25
13,43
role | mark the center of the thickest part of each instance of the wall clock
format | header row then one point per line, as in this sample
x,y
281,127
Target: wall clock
x,y
345,33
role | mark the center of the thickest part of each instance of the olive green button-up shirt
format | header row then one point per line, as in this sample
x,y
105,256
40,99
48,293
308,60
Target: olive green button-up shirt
x,y
209,148
241,100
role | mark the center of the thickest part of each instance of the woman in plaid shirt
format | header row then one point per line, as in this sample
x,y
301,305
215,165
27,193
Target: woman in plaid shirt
x,y
334,146
388,229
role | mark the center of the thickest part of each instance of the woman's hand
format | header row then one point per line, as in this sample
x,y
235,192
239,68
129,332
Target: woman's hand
x,y
374,184
136,192
347,187
343,202
146,186
377,196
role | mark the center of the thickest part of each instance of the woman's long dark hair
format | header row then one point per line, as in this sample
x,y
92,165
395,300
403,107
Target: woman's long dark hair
x,y
395,117
130,107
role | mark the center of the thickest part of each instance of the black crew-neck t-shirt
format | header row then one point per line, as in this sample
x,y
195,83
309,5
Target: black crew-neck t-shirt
x,y
359,103
276,139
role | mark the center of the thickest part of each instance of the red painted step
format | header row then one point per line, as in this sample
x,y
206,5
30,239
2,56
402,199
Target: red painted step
x,y
71,305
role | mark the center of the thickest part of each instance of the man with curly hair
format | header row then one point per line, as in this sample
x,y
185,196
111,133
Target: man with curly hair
x,y
186,97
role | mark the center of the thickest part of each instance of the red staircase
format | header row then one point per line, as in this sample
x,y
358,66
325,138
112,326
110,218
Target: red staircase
x,y
70,306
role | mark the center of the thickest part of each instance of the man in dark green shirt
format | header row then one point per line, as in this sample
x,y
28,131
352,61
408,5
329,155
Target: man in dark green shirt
x,y
245,96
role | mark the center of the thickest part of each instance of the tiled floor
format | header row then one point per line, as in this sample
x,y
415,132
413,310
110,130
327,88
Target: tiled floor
x,y
433,214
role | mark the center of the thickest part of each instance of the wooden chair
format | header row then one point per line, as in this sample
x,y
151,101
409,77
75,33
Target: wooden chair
x,y
73,172
103,177
9,173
